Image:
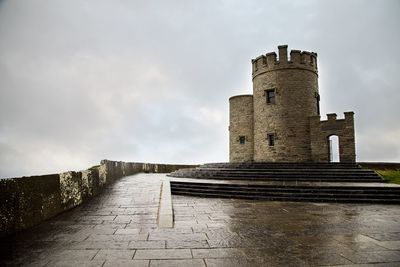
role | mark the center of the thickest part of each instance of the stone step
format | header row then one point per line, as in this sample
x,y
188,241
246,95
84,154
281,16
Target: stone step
x,y
271,165
311,171
281,167
292,171
291,195
297,193
291,180
291,188
293,199
286,181
280,177
300,171
280,174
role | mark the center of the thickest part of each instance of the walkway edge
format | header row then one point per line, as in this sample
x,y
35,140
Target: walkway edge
x,y
165,210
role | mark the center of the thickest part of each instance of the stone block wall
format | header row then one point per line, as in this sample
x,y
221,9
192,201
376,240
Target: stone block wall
x,y
295,84
27,201
241,125
282,124
320,131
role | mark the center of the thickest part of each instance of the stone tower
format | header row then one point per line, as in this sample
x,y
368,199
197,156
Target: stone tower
x,y
280,121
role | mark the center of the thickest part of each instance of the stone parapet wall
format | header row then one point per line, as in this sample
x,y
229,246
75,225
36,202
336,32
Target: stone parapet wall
x,y
298,60
27,201
380,165
320,132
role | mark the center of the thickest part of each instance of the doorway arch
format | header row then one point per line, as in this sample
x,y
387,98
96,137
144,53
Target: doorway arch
x,y
333,148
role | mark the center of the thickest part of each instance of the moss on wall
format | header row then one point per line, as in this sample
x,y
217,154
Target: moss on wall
x,y
27,201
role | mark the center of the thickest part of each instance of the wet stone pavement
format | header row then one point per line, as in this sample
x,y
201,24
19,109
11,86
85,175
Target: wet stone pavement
x,y
119,228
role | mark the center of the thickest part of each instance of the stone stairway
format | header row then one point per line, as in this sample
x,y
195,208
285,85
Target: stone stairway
x,y
316,182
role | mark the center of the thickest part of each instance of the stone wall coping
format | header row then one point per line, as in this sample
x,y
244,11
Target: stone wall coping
x,y
29,200
235,96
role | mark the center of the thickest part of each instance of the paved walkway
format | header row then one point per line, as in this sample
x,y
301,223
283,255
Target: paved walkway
x,y
119,228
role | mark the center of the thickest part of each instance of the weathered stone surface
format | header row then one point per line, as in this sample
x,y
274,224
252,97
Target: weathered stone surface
x,y
113,254
243,232
71,189
27,201
90,183
140,244
177,263
287,118
291,118
8,207
163,254
187,244
217,253
320,131
241,125
165,211
124,263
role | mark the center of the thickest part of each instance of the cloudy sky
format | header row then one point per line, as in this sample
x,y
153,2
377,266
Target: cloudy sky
x,y
149,81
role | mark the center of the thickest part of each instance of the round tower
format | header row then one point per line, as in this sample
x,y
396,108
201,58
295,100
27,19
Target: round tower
x,y
285,95
241,143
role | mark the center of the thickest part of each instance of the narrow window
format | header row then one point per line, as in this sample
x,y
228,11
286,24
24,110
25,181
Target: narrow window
x,y
271,139
317,97
270,94
242,139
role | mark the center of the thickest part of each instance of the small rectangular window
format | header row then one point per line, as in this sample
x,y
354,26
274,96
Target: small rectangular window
x,y
271,139
270,94
242,139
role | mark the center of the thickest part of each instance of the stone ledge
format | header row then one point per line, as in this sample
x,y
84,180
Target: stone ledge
x,y
28,201
165,210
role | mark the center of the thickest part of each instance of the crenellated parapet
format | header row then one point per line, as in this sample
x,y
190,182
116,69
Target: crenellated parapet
x,y
320,131
281,121
297,60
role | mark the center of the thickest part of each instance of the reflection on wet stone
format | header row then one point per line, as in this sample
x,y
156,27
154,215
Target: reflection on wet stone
x,y
119,228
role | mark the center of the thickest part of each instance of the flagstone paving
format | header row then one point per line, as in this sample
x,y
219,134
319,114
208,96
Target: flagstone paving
x,y
119,228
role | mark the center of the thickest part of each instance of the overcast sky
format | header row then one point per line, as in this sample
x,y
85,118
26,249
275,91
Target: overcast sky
x,y
149,81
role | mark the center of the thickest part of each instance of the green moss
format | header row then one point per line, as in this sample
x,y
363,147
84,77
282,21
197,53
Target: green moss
x,y
390,176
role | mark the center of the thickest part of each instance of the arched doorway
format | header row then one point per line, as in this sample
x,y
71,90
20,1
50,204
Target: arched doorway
x,y
333,148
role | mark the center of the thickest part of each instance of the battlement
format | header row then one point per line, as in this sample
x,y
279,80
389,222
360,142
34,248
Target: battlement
x,y
331,118
298,60
281,121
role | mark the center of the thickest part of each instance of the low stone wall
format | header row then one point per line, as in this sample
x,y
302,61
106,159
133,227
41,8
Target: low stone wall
x,y
27,201
380,165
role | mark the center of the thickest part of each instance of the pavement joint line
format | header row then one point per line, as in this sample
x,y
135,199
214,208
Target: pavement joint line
x,y
313,234
165,209
95,254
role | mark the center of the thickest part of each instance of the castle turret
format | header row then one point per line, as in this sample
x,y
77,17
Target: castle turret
x,y
285,95
241,141
281,120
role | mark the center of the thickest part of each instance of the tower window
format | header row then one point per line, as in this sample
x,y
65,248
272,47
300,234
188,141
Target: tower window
x,y
270,94
317,97
271,139
242,139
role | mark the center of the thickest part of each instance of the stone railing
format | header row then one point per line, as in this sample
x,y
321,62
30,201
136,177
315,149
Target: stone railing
x,y
27,201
